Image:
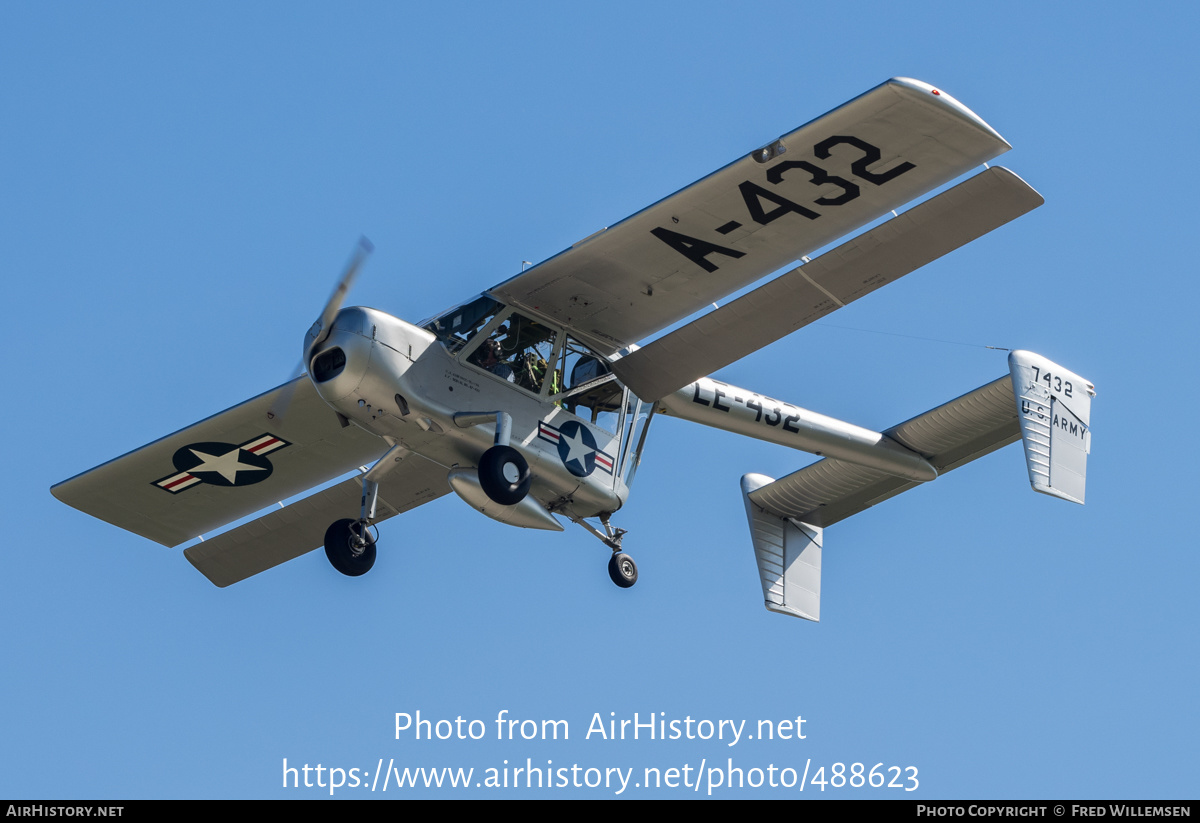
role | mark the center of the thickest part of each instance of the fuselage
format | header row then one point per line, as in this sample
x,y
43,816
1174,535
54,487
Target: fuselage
x,y
579,429
405,384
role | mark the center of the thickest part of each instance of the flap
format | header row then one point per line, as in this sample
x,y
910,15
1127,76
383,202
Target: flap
x,y
807,293
300,527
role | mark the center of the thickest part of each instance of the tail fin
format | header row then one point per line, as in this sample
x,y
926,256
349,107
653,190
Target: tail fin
x,y
1055,408
788,554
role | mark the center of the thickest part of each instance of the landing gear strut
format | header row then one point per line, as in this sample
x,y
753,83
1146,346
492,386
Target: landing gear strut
x,y
349,544
621,567
350,547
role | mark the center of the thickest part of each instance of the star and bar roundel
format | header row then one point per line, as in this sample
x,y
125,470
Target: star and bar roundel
x,y
576,447
222,464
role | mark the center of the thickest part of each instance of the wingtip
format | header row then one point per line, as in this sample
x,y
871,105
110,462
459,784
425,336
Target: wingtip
x,y
927,91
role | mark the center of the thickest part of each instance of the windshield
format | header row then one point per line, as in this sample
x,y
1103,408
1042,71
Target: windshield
x,y
456,327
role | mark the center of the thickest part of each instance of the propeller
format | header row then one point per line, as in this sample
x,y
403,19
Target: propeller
x,y
321,328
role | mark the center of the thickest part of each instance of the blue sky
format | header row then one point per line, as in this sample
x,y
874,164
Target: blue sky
x,y
181,187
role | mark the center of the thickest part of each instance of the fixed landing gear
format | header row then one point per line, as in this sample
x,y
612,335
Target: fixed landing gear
x,y
504,475
349,544
350,547
622,570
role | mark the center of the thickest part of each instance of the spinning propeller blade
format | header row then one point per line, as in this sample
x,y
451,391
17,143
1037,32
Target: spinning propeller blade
x,y
284,398
320,329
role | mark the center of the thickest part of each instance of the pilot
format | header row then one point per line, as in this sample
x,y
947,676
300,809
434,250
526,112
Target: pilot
x,y
488,356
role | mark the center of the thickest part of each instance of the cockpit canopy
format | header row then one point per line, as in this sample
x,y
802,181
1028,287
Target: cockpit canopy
x,y
534,355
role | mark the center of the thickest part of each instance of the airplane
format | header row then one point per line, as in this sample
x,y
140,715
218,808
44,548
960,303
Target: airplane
x,y
532,401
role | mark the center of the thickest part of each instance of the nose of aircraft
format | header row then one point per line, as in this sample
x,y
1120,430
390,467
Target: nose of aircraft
x,y
338,362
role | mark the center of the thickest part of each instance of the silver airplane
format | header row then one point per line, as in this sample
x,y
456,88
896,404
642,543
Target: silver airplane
x,y
532,402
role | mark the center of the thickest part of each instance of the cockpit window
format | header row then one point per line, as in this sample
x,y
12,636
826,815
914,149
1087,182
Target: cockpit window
x,y
456,327
521,350
591,389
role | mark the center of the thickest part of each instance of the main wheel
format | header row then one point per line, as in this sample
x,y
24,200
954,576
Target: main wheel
x,y
339,548
622,570
504,475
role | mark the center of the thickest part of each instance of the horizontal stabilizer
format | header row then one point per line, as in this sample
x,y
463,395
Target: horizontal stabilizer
x,y
958,432
807,293
300,527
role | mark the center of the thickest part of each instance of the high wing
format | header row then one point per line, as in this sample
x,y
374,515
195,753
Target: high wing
x,y
811,291
223,468
760,213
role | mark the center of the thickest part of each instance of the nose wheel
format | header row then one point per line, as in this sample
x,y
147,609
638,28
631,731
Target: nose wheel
x,y
350,547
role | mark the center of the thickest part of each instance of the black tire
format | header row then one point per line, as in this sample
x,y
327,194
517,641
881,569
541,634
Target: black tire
x,y
622,570
341,555
504,475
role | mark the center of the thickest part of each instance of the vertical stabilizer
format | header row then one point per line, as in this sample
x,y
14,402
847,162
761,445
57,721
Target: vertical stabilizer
x,y
788,554
1054,406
